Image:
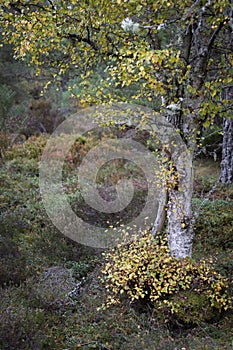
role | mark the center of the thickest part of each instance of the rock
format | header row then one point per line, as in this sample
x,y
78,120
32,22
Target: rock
x,y
56,287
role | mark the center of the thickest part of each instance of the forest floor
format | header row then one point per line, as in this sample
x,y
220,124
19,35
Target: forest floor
x,y
39,267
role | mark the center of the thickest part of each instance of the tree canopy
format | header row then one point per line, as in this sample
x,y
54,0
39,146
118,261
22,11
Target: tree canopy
x,y
172,52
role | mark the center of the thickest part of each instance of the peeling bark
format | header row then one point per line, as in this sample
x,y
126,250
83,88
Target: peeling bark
x,y
179,210
179,206
179,187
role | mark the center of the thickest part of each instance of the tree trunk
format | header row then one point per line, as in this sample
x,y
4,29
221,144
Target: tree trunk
x,y
179,206
179,186
227,152
227,147
180,190
175,173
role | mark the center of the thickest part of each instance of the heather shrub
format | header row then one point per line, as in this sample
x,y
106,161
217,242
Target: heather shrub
x,y
30,149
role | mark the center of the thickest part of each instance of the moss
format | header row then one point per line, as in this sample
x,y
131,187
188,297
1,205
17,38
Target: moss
x,y
193,307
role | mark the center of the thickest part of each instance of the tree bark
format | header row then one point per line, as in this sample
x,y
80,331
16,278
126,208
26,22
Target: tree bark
x,y
227,152
179,208
227,146
179,186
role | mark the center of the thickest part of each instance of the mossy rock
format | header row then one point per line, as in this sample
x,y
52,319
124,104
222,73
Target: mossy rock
x,y
193,307
53,287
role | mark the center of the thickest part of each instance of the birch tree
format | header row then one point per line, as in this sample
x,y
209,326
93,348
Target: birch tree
x,y
176,54
227,147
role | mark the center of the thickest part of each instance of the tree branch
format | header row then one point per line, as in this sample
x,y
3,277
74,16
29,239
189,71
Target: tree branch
x,y
52,5
187,44
79,38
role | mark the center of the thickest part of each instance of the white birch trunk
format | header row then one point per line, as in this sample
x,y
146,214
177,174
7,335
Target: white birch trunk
x,y
227,146
227,152
179,209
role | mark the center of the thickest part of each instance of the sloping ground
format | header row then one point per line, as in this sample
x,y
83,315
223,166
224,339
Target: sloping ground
x,y
35,260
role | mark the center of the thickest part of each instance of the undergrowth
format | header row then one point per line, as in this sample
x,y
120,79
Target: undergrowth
x,y
144,271
30,245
